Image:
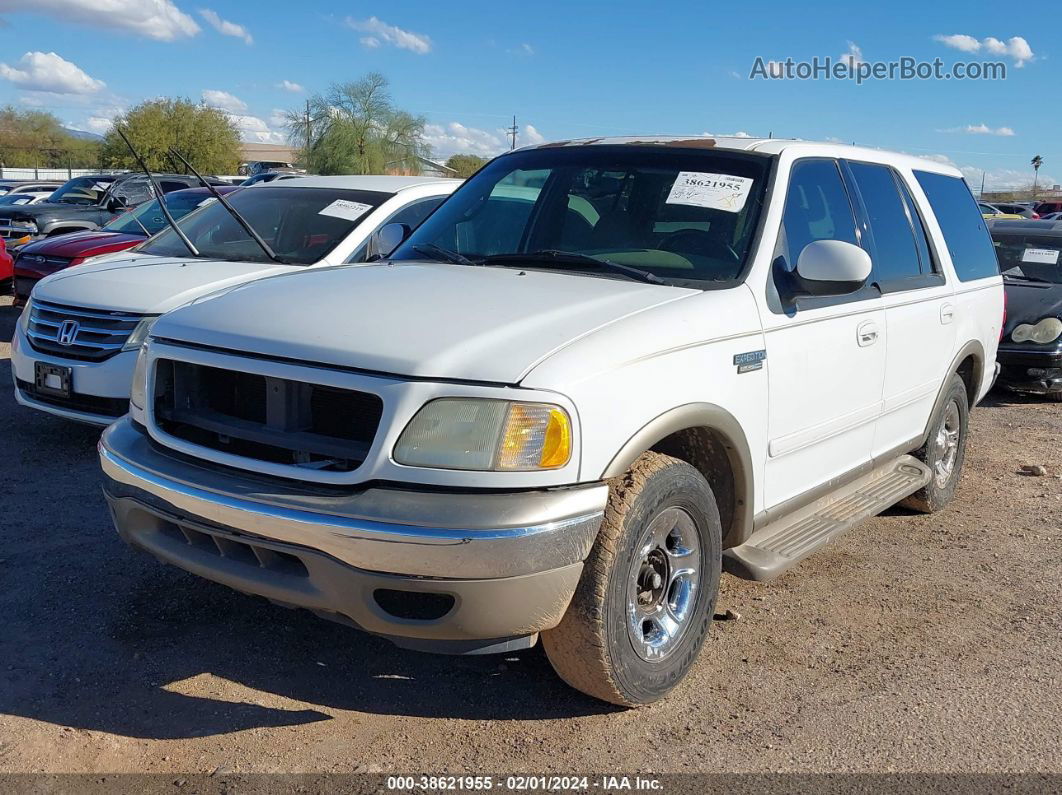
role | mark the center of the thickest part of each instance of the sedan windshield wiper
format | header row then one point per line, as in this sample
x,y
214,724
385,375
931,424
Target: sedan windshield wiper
x,y
548,257
445,254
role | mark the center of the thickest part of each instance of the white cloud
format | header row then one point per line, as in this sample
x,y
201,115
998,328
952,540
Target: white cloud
x,y
980,129
278,118
455,138
853,56
531,136
155,19
47,71
379,32
255,129
98,124
527,49
287,85
1015,47
224,27
1004,178
223,100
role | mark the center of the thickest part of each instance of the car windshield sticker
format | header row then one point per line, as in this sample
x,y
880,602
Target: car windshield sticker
x,y
341,208
714,191
1042,256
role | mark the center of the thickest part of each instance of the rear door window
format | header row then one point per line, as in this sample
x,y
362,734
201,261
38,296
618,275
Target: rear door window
x,y
965,232
890,239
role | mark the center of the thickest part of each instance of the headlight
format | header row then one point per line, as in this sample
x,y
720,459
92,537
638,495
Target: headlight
x,y
484,435
140,333
138,391
1047,330
24,318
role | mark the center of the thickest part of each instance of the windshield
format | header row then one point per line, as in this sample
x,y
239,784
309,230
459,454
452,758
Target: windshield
x,y
82,190
1030,256
302,225
683,215
151,216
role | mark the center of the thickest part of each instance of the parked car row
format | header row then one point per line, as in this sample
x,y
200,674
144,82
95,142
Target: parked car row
x,y
556,404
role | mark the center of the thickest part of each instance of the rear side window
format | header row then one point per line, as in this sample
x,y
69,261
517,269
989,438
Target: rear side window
x,y
964,229
891,243
816,208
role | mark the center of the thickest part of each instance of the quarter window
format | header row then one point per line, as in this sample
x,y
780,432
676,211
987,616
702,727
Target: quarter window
x,y
964,229
891,241
816,208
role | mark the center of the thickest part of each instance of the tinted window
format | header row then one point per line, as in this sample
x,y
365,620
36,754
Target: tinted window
x,y
891,242
816,208
920,235
964,229
302,225
414,214
685,215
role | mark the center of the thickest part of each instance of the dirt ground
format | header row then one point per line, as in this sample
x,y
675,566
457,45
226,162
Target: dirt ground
x,y
912,644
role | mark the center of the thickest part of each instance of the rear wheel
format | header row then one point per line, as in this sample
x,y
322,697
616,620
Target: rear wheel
x,y
644,604
944,450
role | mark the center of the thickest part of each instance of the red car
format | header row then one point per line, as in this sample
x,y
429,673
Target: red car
x,y
7,268
42,258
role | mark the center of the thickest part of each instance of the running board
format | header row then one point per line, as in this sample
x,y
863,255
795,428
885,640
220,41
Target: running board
x,y
788,540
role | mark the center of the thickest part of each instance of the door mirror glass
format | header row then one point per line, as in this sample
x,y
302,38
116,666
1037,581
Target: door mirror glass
x,y
385,240
832,267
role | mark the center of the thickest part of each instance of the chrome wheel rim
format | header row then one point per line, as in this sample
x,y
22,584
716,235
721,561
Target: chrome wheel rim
x,y
662,584
947,444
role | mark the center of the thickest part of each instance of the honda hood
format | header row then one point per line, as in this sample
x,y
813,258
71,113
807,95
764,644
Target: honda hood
x,y
428,320
145,284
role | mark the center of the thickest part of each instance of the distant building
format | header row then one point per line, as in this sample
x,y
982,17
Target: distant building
x,y
251,152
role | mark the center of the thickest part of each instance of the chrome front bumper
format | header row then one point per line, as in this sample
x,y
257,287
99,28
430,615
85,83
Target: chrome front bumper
x,y
510,562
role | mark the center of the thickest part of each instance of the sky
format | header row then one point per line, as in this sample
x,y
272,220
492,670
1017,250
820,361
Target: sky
x,y
573,69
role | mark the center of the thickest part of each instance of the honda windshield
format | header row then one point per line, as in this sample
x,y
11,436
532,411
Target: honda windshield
x,y
302,225
150,215
686,216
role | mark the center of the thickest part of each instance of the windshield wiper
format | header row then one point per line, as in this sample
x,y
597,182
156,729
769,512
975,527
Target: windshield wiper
x,y
1024,278
158,193
232,211
438,252
550,256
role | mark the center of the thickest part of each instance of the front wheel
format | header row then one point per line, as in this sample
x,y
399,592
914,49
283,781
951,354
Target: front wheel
x,y
646,598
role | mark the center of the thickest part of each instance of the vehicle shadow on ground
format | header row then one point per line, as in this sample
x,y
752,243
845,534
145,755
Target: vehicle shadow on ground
x,y
8,319
100,637
1002,398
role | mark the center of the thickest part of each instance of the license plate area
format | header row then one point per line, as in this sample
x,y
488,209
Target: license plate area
x,y
52,379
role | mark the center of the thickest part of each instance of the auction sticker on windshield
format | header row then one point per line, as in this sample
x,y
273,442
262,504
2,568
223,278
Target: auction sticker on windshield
x,y
1042,256
714,191
341,208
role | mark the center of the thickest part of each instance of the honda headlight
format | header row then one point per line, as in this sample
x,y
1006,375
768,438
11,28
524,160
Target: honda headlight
x,y
138,390
140,333
485,435
1047,330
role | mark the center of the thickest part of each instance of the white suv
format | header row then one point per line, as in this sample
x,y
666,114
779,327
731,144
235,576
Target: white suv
x,y
74,352
600,374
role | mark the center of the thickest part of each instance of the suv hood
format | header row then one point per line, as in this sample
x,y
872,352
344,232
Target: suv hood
x,y
428,320
145,284
31,212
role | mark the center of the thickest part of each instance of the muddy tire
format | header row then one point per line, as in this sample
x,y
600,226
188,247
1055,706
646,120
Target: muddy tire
x,y
1055,396
944,450
647,595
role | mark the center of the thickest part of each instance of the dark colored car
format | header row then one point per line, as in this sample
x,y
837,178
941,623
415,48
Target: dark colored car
x,y
1024,210
84,203
1030,352
1045,207
36,260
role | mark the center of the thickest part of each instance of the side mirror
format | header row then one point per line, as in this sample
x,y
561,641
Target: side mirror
x,y
115,204
385,240
832,267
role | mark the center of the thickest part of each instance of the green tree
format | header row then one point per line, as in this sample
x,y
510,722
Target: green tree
x,y
36,138
355,128
206,136
466,165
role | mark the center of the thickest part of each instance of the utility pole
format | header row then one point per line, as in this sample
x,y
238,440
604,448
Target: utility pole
x,y
511,133
982,193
